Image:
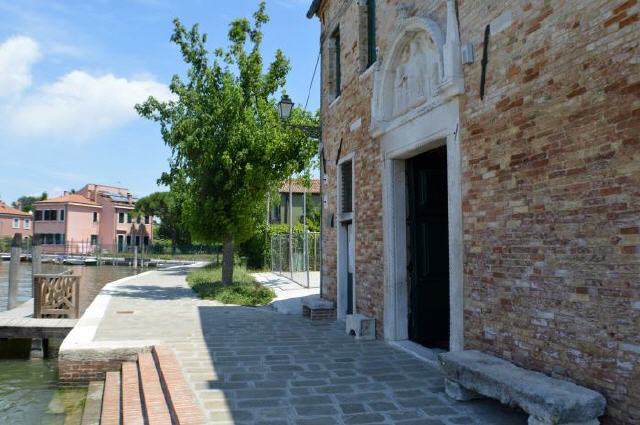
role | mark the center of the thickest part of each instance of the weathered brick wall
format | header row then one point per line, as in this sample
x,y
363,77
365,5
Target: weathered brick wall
x,y
79,373
551,194
551,184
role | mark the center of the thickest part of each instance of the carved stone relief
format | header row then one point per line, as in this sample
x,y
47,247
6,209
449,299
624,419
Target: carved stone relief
x,y
415,75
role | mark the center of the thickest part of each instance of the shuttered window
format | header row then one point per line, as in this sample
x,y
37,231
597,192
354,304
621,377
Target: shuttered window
x,y
337,77
346,187
371,32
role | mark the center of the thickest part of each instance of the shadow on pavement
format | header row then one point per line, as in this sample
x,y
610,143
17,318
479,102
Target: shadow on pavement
x,y
277,368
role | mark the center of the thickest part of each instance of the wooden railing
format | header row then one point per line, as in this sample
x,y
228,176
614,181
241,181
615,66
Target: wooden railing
x,y
56,295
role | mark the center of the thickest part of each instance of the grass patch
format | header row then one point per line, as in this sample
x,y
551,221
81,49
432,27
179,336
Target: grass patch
x,y
244,290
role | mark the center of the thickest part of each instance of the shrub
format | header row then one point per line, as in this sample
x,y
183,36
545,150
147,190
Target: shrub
x,y
207,283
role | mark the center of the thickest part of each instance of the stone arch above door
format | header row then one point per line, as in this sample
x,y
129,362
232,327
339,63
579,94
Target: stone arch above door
x,y
419,71
410,72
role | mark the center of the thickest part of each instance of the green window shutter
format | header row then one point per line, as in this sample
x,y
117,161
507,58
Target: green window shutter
x,y
371,32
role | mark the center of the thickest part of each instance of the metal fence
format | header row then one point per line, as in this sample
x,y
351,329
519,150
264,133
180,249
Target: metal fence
x,y
298,260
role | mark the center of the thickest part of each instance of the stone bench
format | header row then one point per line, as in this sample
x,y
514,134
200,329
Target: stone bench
x,y
548,401
317,308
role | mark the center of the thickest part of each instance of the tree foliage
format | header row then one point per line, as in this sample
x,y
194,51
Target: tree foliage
x,y
25,203
229,146
167,207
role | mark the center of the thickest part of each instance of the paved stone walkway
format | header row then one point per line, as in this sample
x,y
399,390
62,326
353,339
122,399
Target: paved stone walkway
x,y
289,295
257,366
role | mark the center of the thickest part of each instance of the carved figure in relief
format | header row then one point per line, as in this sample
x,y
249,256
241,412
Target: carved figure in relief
x,y
418,72
401,83
411,77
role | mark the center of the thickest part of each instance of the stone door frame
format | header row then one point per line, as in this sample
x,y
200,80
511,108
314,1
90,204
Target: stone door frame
x,y
396,149
341,240
432,123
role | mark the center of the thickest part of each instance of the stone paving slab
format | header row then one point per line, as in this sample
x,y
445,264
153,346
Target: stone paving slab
x,y
256,366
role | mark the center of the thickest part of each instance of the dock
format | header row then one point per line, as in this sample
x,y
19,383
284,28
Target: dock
x,y
20,323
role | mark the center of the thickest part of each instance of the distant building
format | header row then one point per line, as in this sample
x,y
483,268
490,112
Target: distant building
x,y
96,215
279,213
14,221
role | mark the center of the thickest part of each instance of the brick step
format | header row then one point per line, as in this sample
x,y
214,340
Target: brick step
x,y
110,414
150,391
180,401
131,400
154,401
93,403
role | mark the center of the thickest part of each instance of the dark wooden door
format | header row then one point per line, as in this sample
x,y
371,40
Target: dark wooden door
x,y
428,249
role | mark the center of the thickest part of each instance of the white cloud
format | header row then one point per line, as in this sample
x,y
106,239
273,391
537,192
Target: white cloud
x,y
17,56
80,106
76,107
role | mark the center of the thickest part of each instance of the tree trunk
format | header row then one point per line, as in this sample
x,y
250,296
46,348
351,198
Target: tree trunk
x,y
227,262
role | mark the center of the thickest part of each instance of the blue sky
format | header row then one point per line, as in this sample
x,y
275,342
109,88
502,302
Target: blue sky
x,y
71,71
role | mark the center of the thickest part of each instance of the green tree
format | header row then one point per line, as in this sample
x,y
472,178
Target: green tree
x,y
167,207
229,146
25,203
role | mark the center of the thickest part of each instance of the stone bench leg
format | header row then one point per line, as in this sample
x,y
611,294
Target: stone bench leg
x,y
460,393
536,421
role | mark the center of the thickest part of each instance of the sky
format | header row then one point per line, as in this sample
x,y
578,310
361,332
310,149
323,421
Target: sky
x,y
71,72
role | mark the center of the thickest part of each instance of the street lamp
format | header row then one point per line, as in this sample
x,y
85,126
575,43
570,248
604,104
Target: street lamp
x,y
285,106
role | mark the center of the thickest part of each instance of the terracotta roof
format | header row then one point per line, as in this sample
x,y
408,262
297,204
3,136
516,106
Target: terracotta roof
x,y
297,187
5,209
70,198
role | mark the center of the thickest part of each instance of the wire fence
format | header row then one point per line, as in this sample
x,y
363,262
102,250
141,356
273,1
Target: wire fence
x,y
298,260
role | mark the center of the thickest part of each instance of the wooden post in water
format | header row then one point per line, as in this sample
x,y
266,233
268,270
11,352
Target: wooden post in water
x,y
36,257
16,252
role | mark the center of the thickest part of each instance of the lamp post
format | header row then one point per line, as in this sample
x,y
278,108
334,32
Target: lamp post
x,y
285,107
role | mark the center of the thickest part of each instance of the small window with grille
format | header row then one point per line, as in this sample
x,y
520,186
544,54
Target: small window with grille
x,y
335,68
346,187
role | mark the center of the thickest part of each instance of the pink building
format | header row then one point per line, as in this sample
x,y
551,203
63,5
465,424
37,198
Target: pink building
x,y
14,221
96,215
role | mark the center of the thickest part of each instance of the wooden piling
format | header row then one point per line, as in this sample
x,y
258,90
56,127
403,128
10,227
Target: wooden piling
x,y
14,265
36,258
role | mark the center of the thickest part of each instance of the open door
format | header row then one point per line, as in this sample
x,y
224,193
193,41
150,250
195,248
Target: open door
x,y
427,231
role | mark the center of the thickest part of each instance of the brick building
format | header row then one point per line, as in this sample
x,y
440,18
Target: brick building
x,y
279,210
13,220
481,184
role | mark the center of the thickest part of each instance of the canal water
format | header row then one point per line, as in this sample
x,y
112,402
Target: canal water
x,y
29,393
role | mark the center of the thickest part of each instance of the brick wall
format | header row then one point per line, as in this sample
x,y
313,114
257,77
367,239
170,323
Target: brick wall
x,y
551,193
551,183
80,373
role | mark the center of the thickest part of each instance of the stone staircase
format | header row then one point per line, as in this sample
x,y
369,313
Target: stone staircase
x,y
149,391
